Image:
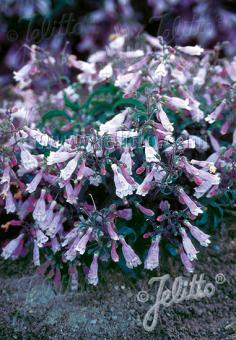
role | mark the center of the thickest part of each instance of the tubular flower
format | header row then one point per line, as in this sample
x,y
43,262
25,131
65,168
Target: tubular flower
x,y
11,247
184,198
123,188
132,260
39,213
152,260
93,271
199,235
188,246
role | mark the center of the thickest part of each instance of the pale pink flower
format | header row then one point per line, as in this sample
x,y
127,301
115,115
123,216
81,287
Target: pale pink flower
x,y
202,164
126,214
41,138
28,161
123,188
111,231
162,117
129,82
11,247
160,71
114,124
49,216
23,76
176,103
132,260
84,171
72,193
214,191
211,118
138,65
117,43
25,208
70,236
231,69
10,204
188,246
201,75
178,75
93,271
59,157
186,261
73,278
225,127
202,189
144,210
55,245
159,174
70,254
114,255
32,186
97,57
214,142
106,72
36,256
41,238
152,259
199,235
55,224
131,54
81,65
129,179
234,137
151,154
189,144
68,171
153,41
196,113
133,85
145,186
81,246
6,175
191,50
39,213
194,209
127,160
201,145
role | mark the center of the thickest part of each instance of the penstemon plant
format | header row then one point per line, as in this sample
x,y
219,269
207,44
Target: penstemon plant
x,y
121,163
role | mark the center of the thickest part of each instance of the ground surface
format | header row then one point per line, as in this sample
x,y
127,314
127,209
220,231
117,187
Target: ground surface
x,y
30,309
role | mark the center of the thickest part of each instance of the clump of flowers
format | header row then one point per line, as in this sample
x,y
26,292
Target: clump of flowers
x,y
121,164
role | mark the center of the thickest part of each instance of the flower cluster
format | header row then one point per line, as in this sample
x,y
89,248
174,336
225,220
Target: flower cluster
x,y
52,23
121,165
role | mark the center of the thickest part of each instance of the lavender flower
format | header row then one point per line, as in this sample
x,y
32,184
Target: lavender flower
x,y
188,246
152,260
32,186
199,235
132,260
39,213
11,247
93,271
194,209
81,246
36,257
123,188
186,261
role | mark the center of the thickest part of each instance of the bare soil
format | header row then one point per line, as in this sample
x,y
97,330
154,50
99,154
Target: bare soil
x,y
31,309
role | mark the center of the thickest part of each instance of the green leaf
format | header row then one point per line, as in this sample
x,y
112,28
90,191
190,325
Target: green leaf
x,y
55,113
106,89
74,106
129,102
